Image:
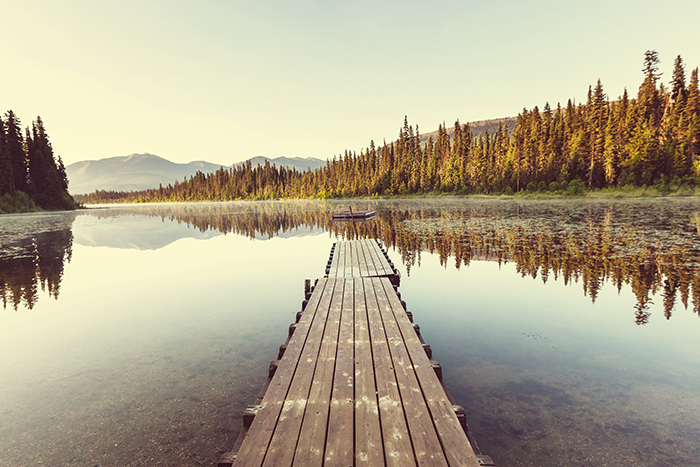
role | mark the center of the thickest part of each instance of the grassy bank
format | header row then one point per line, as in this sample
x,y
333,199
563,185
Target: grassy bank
x,y
572,190
17,202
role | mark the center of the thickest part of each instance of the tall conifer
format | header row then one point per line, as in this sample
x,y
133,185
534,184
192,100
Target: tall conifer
x,y
691,119
7,182
15,151
678,83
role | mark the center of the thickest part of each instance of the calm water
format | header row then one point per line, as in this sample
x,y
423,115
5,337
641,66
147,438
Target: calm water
x,y
137,336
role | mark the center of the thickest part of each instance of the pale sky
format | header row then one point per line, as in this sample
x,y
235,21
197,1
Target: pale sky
x,y
224,81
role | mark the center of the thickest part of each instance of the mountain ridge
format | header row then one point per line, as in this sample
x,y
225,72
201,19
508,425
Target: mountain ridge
x,y
140,171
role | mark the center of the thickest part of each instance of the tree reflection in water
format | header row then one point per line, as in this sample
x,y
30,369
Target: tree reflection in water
x,y
33,261
650,245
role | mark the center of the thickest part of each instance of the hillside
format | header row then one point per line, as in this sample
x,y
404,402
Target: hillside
x,y
128,173
300,163
478,128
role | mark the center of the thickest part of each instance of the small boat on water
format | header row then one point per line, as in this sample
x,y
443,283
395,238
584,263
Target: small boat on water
x,y
353,215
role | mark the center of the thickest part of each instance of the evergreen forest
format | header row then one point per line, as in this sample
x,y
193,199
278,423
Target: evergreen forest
x,y
31,177
650,139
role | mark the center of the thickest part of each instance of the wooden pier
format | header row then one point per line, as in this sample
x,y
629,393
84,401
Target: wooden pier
x,y
355,384
353,215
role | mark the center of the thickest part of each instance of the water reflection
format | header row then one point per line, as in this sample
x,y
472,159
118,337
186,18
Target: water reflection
x,y
649,245
154,354
32,260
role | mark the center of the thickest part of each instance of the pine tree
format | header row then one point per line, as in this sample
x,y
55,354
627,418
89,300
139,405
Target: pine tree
x,y
7,182
691,119
15,152
641,152
649,98
45,175
596,128
678,83
610,156
63,177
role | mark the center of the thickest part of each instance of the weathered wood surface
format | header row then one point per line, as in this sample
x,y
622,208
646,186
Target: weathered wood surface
x,y
350,215
360,258
355,386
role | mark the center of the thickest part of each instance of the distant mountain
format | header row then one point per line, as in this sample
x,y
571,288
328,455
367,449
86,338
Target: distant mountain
x,y
143,171
129,173
478,128
299,163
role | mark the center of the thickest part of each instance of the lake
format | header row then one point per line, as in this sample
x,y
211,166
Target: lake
x,y
137,335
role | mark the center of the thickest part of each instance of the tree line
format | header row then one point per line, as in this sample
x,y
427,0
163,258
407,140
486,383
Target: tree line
x,y
30,175
650,139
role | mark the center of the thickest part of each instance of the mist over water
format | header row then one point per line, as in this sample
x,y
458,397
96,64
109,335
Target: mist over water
x,y
136,335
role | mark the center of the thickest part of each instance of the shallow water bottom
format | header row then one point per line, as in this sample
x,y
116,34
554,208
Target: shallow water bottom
x,y
177,405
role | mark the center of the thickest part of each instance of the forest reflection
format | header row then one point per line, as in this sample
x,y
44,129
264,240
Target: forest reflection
x,y
35,260
651,246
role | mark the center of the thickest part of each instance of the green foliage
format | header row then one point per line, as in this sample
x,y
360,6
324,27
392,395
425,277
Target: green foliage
x,y
576,187
18,201
7,183
14,147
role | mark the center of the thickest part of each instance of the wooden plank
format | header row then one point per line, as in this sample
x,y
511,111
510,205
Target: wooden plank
x,y
369,253
284,441
359,258
426,444
381,264
363,270
368,435
385,262
355,259
254,447
349,260
452,437
339,445
383,267
395,438
347,269
312,439
370,266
